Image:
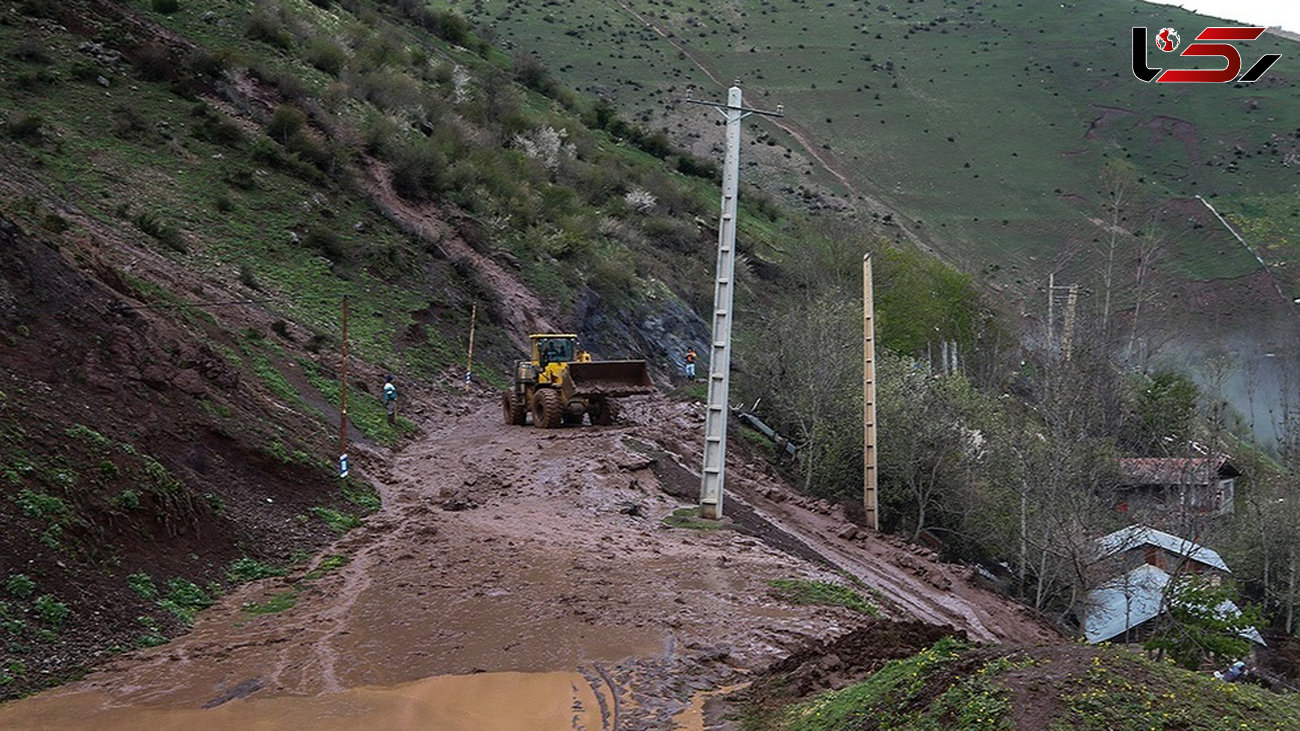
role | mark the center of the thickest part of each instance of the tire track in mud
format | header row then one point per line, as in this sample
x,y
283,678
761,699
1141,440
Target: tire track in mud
x,y
803,533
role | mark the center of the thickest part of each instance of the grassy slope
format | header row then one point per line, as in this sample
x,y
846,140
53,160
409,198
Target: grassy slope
x,y
952,686
972,118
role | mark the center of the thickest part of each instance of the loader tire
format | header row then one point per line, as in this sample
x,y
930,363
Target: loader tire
x,y
604,414
548,412
514,409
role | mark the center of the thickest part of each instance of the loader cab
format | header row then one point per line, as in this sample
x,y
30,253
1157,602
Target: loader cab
x,y
554,349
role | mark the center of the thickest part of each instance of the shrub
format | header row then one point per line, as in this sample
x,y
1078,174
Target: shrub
x,y
326,54
54,223
248,277
205,64
27,128
43,507
419,171
20,586
268,28
155,63
51,611
125,500
338,521
31,52
214,127
672,233
286,120
41,9
184,599
165,7
241,178
153,635
129,124
326,242
166,233
143,586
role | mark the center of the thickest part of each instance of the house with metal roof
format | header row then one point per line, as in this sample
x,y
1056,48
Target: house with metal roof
x,y
1132,570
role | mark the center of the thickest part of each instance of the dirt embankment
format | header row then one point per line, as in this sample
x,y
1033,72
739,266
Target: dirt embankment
x,y
129,448
517,549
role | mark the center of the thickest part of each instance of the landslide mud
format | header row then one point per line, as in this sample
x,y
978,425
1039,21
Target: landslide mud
x,y
518,550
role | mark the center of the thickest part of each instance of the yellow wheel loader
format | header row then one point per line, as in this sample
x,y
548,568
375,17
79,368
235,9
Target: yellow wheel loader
x,y
561,384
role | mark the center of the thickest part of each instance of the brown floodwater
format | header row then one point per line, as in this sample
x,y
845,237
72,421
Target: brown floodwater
x,y
480,702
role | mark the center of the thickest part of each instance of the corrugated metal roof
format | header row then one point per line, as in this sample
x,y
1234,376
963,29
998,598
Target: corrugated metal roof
x,y
1175,470
1134,598
1135,536
1122,603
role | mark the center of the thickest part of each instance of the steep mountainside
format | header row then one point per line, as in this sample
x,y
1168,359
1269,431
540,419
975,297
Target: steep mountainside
x,y
1012,139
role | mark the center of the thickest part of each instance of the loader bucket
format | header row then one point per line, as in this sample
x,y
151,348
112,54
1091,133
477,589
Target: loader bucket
x,y
612,378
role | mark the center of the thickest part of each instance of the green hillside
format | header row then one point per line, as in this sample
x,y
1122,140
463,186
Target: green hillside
x,y
985,125
954,685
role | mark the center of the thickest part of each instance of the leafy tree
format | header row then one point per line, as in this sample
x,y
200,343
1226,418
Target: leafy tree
x,y
1164,411
1199,623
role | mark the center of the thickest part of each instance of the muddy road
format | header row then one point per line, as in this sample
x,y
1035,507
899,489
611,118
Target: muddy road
x,y
521,578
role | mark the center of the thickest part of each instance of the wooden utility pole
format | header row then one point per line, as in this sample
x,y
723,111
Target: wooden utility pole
x,y
869,398
1067,337
343,397
1051,295
469,363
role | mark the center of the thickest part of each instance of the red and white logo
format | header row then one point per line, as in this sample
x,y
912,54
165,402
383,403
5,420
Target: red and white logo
x,y
1167,40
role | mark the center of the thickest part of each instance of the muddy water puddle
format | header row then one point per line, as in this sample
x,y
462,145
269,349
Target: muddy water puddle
x,y
481,702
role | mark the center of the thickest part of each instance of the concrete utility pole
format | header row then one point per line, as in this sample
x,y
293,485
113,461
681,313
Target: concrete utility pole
x,y
869,397
715,424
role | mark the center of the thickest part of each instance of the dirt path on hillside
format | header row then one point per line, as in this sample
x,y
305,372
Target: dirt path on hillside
x,y
504,551
522,312
825,159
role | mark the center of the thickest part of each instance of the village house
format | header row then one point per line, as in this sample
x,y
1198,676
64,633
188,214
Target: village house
x,y
1132,570
1155,489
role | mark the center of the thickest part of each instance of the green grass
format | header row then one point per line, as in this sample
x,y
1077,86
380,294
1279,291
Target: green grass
x,y
277,603
1125,690
952,685
248,569
184,599
338,521
326,565
804,591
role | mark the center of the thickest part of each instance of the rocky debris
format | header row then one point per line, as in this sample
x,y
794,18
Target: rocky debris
x,y
458,503
98,52
848,532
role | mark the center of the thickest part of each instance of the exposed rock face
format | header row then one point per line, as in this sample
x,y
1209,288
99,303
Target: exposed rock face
x,y
660,330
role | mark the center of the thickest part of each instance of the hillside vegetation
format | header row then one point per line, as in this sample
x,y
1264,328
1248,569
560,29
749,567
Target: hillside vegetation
x,y
985,125
954,685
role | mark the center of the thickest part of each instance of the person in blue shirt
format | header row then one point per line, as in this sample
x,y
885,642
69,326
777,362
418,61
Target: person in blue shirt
x,y
390,399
